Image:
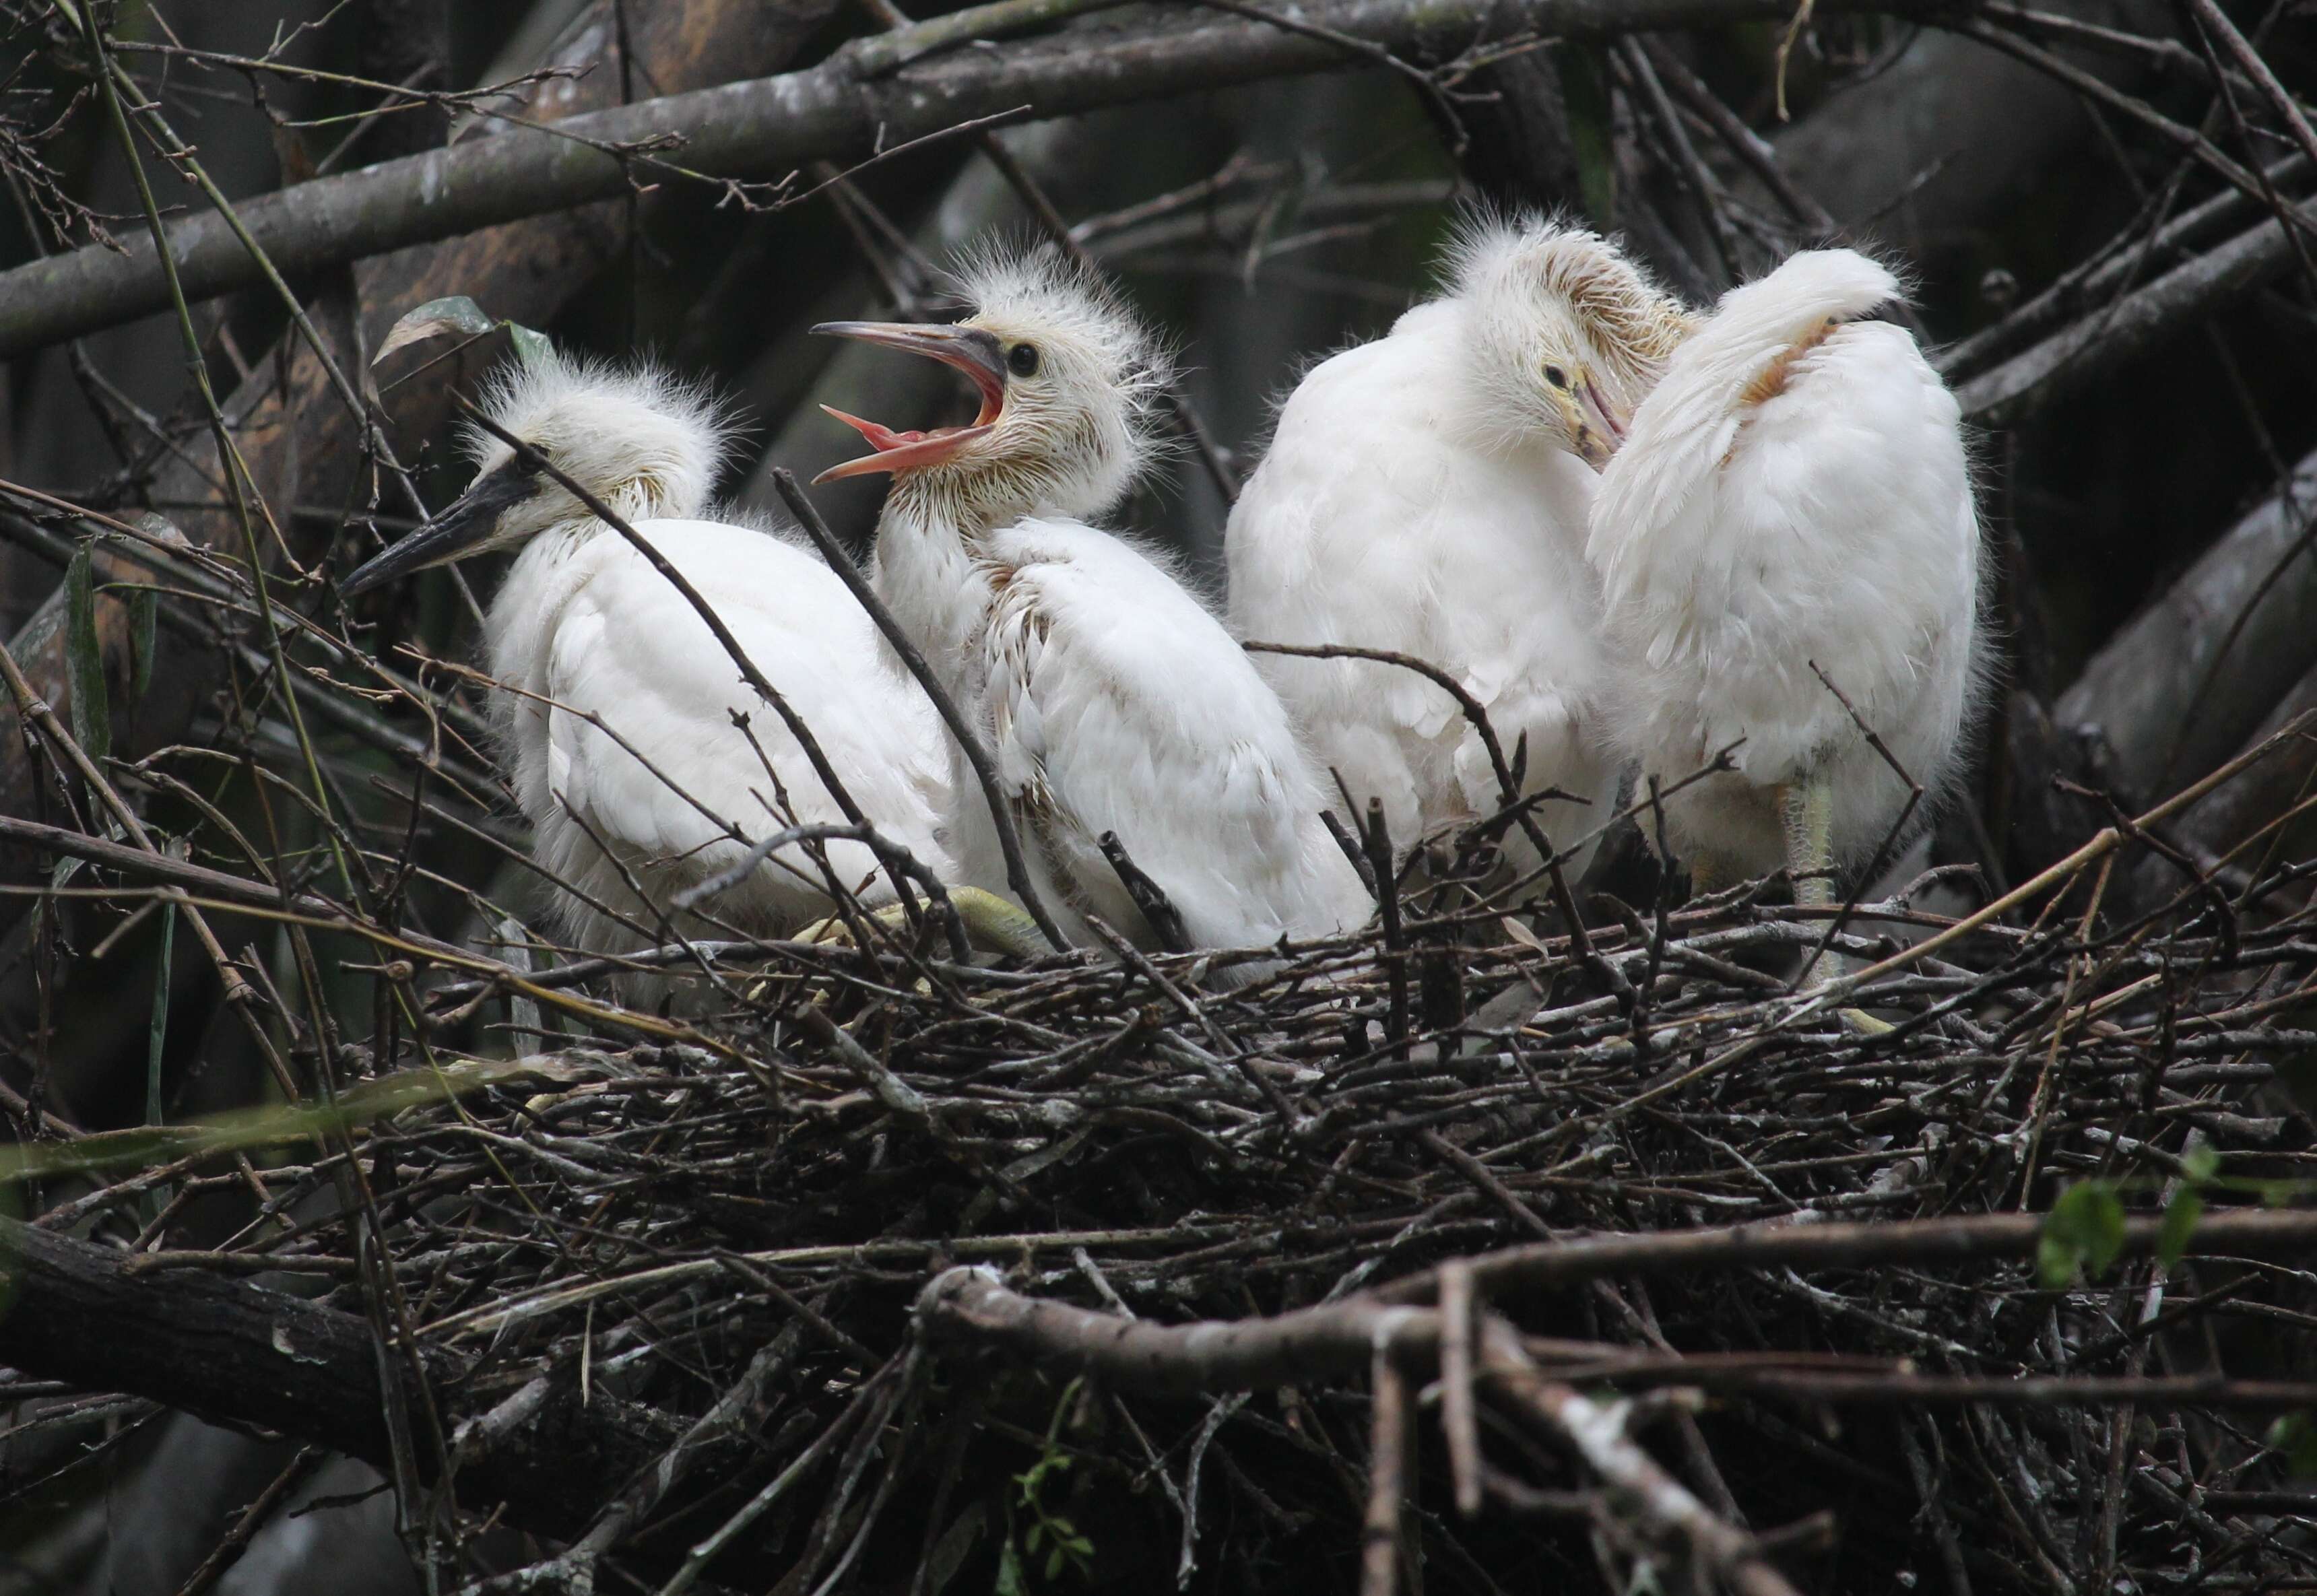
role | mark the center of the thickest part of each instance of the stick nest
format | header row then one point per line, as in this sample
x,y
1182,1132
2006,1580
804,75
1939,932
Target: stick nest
x,y
737,1226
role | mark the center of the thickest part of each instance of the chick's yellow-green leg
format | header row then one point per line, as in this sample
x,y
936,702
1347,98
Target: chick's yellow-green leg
x,y
998,923
991,921
1806,810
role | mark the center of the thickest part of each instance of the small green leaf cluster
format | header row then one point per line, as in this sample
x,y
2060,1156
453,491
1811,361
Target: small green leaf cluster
x,y
2084,1233
1052,1542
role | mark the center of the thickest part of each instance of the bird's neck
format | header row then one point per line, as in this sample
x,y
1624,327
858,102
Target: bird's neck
x,y
520,628
928,551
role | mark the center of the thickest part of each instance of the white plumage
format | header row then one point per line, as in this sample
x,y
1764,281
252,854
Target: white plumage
x,y
1794,491
584,625
1427,495
1112,700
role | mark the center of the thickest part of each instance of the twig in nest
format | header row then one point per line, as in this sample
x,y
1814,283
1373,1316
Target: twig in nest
x,y
1159,911
1379,852
1390,1429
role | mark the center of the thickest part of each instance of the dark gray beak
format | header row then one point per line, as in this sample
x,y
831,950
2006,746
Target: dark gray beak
x,y
459,531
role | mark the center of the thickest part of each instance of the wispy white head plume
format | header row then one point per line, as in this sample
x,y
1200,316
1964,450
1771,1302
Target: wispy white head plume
x,y
1567,335
1073,383
644,442
647,443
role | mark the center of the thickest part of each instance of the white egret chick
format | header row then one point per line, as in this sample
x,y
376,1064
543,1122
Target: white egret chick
x,y
1794,493
583,625
1112,700
1428,493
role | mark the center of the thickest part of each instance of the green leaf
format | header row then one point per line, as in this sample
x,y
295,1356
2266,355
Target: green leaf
x,y
144,623
1053,1563
2198,1165
1036,1537
530,347
455,314
92,715
145,605
2297,1437
1009,1570
2082,1234
2181,1217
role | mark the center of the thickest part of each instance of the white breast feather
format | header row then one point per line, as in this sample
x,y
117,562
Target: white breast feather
x,y
1150,722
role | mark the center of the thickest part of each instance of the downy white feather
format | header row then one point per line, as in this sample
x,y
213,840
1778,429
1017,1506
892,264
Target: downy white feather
x,y
1795,491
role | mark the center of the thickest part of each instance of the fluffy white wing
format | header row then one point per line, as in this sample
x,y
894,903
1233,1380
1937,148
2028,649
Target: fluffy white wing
x,y
1118,703
1683,431
1794,493
625,646
1372,523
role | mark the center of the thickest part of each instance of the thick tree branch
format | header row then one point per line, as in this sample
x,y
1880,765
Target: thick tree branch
x,y
242,1355
2110,272
850,106
2152,691
1335,1340
2107,336
239,1353
2247,807
1927,150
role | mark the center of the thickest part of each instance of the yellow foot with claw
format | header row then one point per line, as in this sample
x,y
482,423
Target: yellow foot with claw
x,y
1865,1024
834,933
991,922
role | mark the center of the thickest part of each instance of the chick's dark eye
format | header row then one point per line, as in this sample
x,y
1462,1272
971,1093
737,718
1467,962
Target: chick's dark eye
x,y
1556,376
1021,359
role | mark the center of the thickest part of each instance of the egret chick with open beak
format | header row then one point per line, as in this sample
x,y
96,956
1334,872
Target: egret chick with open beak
x,y
1428,493
584,631
1112,700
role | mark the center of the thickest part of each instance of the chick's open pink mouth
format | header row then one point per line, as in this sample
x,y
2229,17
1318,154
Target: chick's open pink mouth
x,y
964,349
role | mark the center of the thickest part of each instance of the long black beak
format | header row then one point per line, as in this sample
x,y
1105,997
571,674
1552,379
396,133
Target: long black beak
x,y
458,531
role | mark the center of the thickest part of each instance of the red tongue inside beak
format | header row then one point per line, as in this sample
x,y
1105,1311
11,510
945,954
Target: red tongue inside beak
x,y
903,452
973,353
883,439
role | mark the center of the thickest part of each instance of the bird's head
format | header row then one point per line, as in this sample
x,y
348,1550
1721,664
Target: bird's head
x,y
1567,336
646,443
1070,381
